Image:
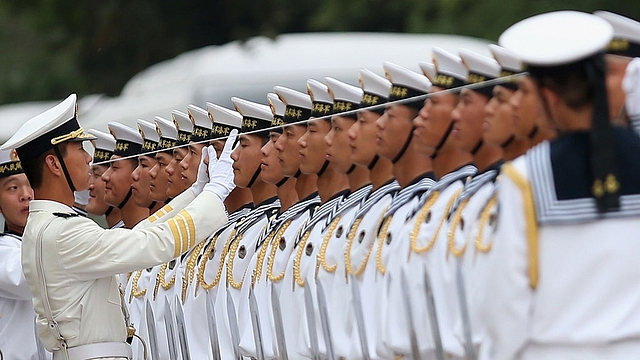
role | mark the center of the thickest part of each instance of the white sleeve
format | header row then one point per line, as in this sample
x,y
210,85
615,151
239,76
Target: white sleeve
x,y
168,211
13,285
87,251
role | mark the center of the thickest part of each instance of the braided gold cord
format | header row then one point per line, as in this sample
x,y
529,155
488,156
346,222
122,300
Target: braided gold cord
x,y
484,218
257,271
419,219
161,275
135,292
272,255
296,261
230,260
457,217
205,259
384,231
190,269
325,244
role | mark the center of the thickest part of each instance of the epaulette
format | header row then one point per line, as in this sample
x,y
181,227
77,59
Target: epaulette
x,y
65,215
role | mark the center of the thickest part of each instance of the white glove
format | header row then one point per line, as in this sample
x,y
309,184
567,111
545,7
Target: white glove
x,y
81,197
221,173
631,86
203,177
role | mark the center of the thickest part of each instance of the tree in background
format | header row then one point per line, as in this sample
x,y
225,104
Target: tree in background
x,y
49,48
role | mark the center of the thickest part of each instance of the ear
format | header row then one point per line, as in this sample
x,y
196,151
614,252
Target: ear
x,y
550,97
53,164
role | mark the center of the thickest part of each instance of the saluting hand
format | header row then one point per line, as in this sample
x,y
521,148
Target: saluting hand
x,y
203,177
221,173
631,86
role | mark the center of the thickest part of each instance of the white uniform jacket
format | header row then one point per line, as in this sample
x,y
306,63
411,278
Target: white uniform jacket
x,y
81,260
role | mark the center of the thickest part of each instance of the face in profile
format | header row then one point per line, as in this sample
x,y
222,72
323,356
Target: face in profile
x,y
118,180
176,184
288,149
190,163
394,127
468,117
270,170
246,159
141,185
313,152
499,124
362,138
337,140
159,177
97,205
433,120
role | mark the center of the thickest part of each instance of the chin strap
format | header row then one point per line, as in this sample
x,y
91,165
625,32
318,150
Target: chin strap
x,y
353,167
373,162
254,177
109,211
442,141
153,204
298,173
323,168
126,199
509,141
56,149
477,147
533,131
407,142
282,182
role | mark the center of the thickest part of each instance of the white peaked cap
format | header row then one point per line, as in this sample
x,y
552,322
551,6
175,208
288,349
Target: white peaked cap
x,y
10,163
293,97
199,116
401,76
449,64
557,38
318,91
276,105
43,123
44,131
429,70
342,91
224,116
507,60
251,109
167,128
8,156
373,83
182,121
478,64
103,141
148,130
623,27
122,132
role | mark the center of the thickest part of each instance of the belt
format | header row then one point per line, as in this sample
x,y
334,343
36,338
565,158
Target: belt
x,y
96,351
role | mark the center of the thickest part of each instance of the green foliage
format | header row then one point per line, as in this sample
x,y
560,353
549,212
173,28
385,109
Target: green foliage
x,y
50,48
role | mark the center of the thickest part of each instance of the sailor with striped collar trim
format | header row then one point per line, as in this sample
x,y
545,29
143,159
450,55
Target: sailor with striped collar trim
x,y
563,276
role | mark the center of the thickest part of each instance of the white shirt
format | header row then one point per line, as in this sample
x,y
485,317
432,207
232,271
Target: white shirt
x,y
17,318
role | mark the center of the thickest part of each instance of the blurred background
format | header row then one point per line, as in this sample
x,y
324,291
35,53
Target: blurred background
x,y
50,48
